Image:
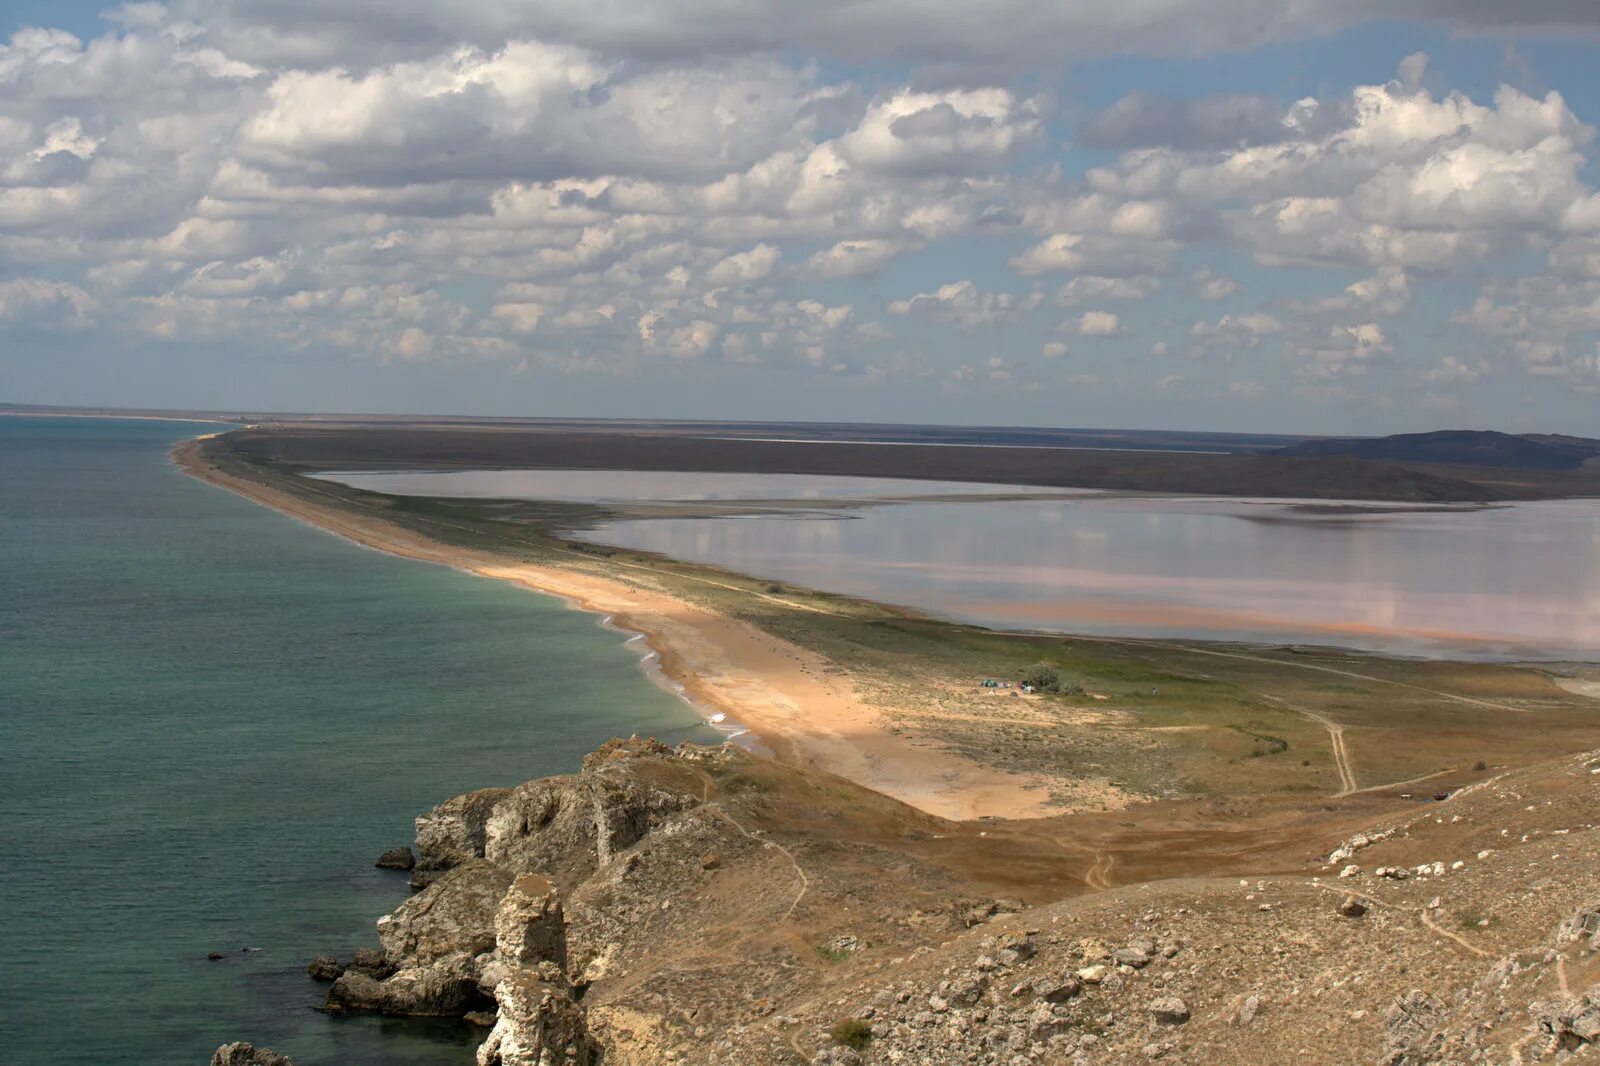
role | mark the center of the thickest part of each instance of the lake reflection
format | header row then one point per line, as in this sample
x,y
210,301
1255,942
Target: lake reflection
x,y
631,486
1516,581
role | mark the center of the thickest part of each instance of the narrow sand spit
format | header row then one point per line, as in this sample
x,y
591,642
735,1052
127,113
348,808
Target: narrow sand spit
x,y
783,693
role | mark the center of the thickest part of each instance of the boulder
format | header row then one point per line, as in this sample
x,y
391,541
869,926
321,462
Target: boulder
x,y
1011,948
1353,907
324,968
1583,925
1413,1023
355,992
1169,1010
1057,988
1569,1021
371,962
396,859
427,992
242,1054
1133,957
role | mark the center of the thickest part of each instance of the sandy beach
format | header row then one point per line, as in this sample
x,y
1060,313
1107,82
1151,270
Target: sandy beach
x,y
787,696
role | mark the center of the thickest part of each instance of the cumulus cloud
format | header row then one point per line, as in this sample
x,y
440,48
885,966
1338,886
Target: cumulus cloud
x,y
1143,120
1097,254
964,132
1086,288
851,258
1451,370
572,188
1095,324
1342,350
994,36
1209,286
37,302
962,302
1242,330
752,265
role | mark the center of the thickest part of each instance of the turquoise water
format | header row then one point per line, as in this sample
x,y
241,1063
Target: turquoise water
x,y
212,719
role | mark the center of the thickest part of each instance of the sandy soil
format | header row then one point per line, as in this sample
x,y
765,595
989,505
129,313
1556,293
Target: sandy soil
x,y
1580,687
784,694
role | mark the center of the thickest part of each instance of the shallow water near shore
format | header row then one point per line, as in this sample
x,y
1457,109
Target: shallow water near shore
x,y
212,719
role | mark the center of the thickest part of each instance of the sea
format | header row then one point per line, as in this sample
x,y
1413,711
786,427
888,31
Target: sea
x,y
212,719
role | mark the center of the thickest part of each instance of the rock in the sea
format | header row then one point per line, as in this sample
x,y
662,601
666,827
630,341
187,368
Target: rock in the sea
x,y
324,968
539,1025
371,962
433,945
441,991
396,859
1169,1010
242,1054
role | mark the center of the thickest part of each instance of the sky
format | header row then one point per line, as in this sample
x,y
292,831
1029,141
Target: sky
x,y
1256,215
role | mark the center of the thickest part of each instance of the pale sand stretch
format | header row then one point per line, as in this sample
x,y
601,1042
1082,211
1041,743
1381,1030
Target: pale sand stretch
x,y
783,693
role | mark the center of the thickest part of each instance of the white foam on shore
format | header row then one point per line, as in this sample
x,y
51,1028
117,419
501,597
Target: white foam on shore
x,y
650,663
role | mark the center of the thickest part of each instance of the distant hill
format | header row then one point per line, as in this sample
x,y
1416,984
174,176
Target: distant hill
x,y
1462,447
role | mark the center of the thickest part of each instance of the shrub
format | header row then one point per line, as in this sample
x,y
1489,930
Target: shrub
x,y
1042,676
853,1033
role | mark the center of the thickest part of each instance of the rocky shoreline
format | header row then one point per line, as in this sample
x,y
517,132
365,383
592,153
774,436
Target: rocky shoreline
x,y
698,905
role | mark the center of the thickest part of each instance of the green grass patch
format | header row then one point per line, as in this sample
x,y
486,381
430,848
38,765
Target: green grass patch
x,y
853,1033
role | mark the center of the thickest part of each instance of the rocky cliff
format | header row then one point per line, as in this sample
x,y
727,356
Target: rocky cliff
x,y
698,905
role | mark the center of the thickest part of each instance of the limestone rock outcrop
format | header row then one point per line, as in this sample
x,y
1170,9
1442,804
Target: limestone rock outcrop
x,y
435,942
452,832
241,1054
540,1024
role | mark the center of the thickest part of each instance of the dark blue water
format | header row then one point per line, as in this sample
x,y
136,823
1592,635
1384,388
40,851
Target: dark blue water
x,y
212,719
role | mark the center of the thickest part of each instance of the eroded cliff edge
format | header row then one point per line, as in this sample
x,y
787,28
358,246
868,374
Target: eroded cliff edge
x,y
698,905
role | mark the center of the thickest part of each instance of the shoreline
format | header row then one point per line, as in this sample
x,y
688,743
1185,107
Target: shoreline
x,y
786,697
